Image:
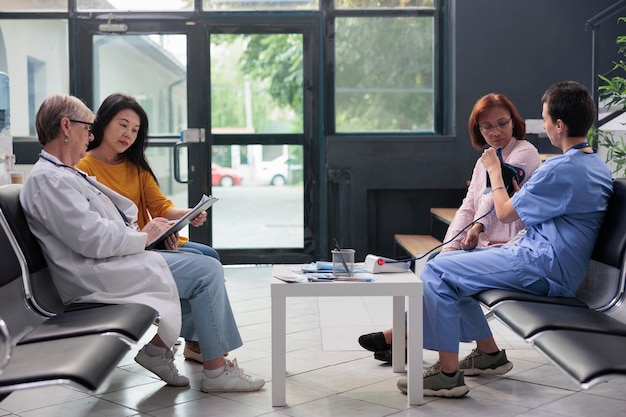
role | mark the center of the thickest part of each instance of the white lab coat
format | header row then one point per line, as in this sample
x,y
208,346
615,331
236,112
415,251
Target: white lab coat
x,y
92,254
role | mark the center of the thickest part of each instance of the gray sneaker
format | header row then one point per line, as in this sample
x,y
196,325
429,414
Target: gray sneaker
x,y
436,384
480,363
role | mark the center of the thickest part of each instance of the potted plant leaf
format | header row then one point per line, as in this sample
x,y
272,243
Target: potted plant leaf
x,y
612,92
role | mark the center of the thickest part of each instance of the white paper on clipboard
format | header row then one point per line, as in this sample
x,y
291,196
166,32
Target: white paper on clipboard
x,y
205,202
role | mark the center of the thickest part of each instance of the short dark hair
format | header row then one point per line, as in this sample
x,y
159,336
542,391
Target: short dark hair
x,y
571,102
488,102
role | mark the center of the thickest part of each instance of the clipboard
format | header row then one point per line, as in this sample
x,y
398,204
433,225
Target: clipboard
x,y
204,203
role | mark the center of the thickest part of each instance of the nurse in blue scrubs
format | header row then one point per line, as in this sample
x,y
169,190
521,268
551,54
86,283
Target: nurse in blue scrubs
x,y
562,206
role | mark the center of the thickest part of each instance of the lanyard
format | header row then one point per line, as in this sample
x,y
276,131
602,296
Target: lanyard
x,y
582,145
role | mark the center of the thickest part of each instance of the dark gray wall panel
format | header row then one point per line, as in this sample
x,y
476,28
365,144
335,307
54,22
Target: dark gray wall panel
x,y
517,48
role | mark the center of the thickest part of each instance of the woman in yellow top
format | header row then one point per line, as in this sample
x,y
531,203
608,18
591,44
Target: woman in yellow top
x,y
116,158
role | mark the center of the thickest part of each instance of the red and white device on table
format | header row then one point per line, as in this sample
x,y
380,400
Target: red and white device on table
x,y
379,264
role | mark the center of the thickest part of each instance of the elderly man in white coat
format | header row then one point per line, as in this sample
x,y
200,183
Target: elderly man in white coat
x,y
96,254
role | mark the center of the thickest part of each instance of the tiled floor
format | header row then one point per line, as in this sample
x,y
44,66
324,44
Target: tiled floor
x,y
328,374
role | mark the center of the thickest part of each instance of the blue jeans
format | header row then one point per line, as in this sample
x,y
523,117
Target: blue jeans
x,y
206,313
199,249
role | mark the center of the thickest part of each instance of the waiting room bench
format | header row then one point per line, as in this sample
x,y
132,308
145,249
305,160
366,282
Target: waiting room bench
x,y
584,336
440,219
47,342
416,245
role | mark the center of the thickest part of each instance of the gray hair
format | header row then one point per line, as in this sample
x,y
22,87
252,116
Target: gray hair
x,y
54,108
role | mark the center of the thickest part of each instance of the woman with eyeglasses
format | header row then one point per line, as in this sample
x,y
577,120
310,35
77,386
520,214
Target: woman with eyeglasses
x,y
496,123
96,254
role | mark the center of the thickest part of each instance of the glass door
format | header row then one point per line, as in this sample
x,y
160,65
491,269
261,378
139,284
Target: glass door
x,y
244,86
257,174
261,135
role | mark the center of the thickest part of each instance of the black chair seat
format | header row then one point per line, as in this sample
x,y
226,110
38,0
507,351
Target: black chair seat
x,y
78,345
82,306
528,319
128,320
491,298
84,362
588,358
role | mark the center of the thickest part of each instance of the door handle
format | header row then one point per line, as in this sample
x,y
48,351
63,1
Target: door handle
x,y
177,149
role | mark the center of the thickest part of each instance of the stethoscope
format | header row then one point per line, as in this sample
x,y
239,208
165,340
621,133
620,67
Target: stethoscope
x,y
84,176
62,165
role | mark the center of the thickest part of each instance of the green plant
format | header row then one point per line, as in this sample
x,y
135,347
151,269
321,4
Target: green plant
x,y
613,91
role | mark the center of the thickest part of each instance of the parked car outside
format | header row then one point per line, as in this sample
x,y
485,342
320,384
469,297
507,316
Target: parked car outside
x,y
224,176
274,172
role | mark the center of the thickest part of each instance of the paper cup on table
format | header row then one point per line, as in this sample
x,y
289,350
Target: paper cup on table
x,y
343,262
17,178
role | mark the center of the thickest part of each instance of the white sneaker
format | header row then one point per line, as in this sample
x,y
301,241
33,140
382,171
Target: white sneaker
x,y
162,366
232,380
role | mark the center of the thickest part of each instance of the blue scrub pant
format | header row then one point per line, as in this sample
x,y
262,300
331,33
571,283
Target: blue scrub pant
x,y
200,249
450,279
206,313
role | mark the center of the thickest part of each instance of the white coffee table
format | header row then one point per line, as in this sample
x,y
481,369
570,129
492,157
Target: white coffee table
x,y
397,285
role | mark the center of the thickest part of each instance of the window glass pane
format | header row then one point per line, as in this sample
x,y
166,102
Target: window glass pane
x,y
260,188
33,5
384,77
256,83
384,4
135,5
256,87
33,53
162,91
210,5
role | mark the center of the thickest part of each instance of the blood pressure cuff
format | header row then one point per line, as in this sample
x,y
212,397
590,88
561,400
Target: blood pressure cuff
x,y
509,173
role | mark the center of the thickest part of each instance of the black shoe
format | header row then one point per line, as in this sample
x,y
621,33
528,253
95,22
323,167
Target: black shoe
x,y
374,342
385,355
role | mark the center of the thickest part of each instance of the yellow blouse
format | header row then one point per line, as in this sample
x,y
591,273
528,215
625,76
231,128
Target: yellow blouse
x,y
128,180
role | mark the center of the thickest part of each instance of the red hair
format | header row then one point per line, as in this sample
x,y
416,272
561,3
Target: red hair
x,y
488,102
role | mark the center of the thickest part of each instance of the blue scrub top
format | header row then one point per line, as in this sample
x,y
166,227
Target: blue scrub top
x,y
562,206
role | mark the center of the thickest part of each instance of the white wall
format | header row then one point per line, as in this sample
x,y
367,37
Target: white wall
x,y
44,40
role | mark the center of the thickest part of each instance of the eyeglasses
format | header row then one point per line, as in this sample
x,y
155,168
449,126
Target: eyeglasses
x,y
492,129
90,129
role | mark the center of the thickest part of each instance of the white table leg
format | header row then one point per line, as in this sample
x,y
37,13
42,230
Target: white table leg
x,y
398,335
415,326
279,351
